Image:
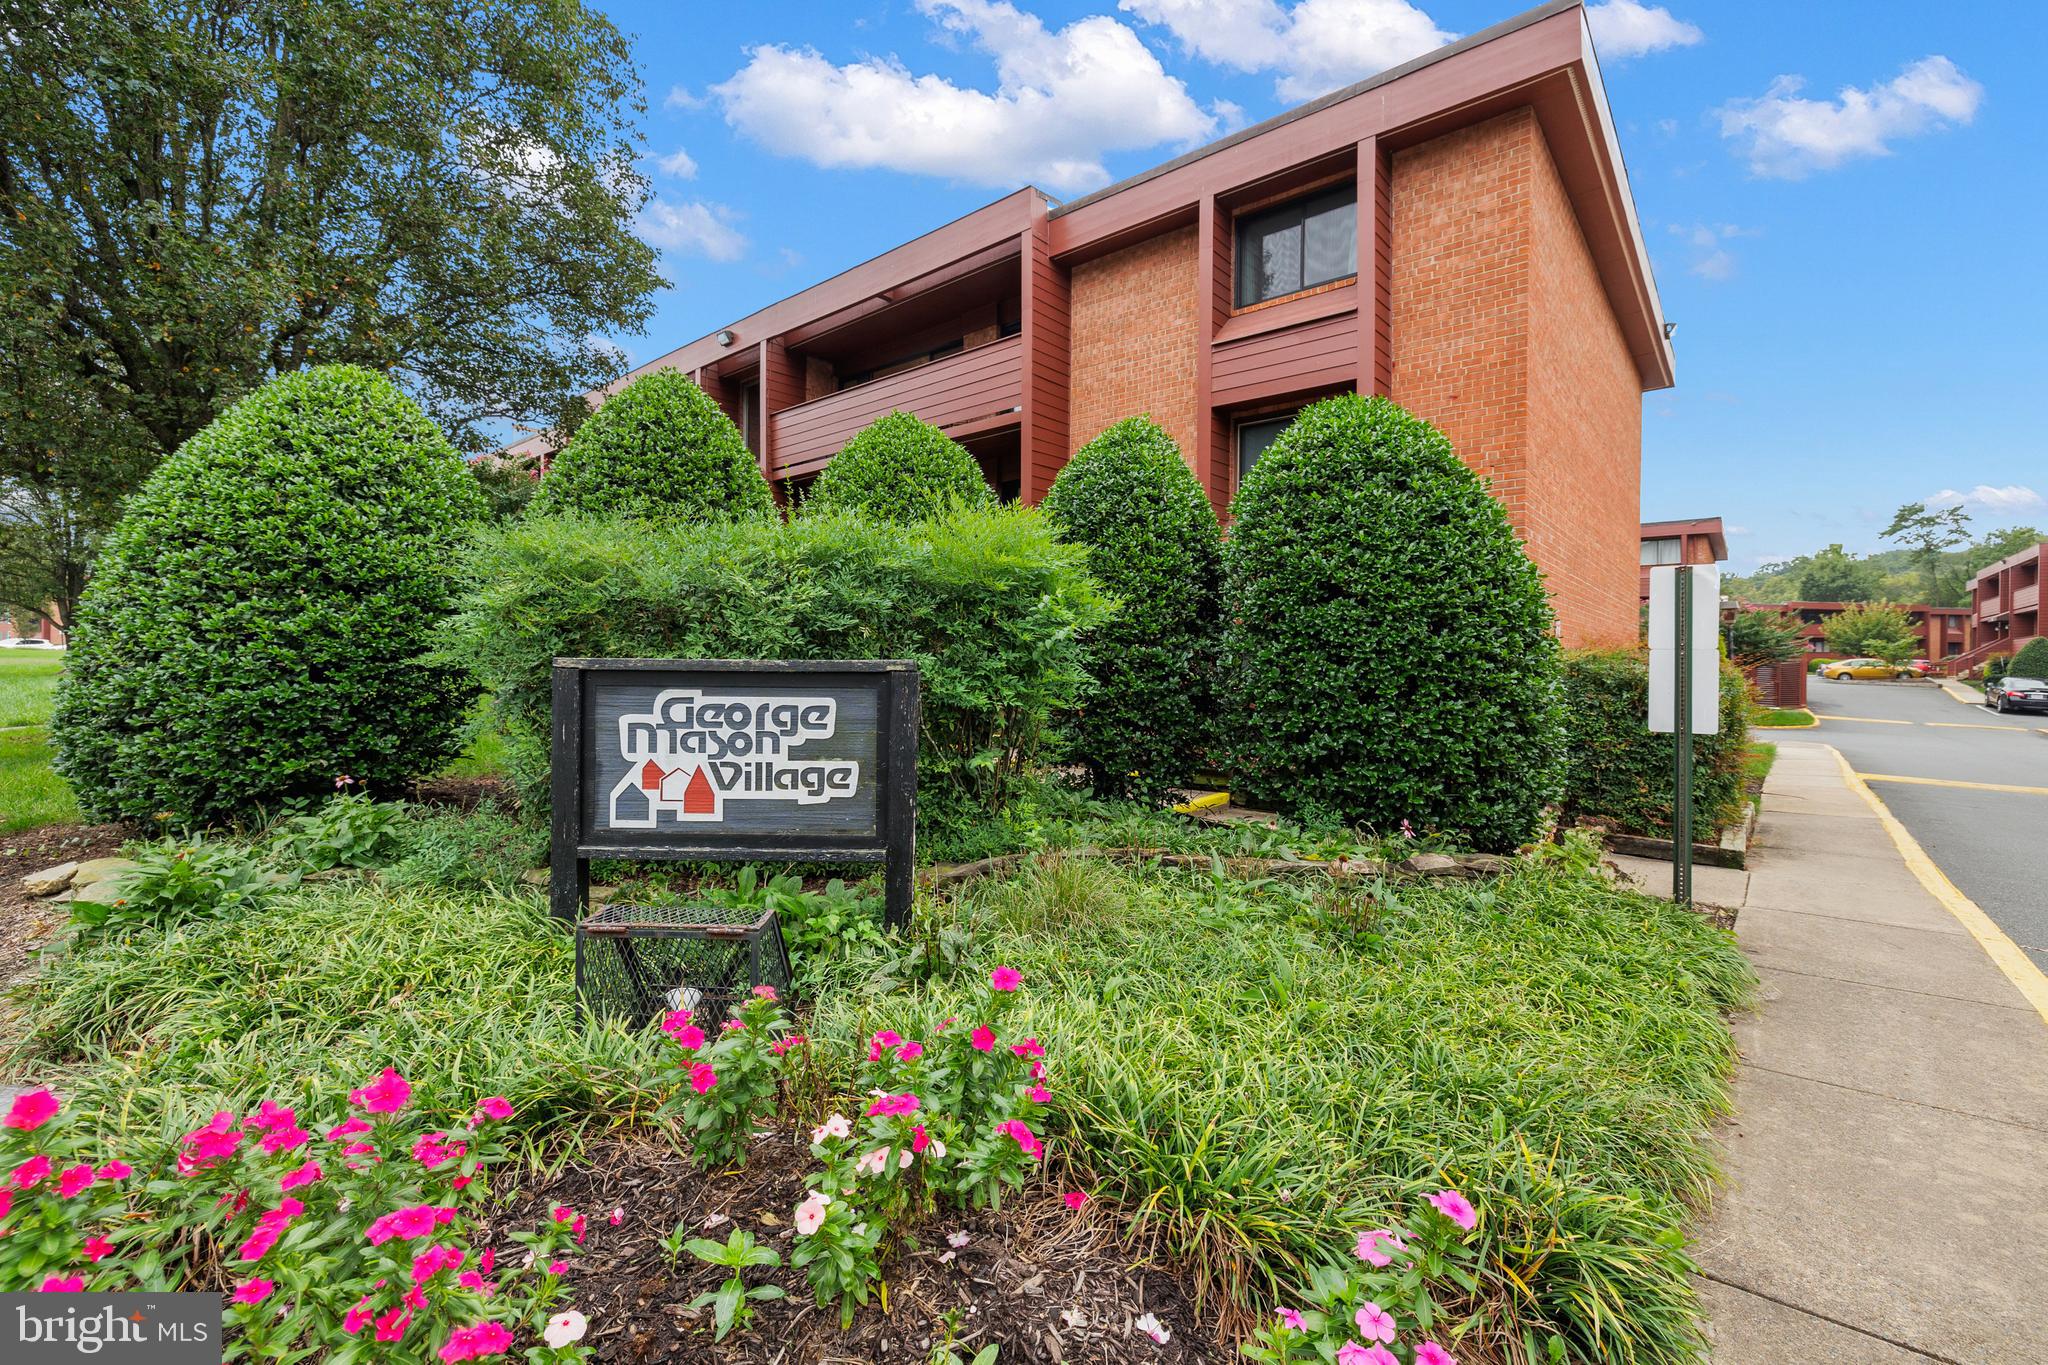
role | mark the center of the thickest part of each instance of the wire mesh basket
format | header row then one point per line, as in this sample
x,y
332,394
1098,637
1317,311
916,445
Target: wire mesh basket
x,y
635,962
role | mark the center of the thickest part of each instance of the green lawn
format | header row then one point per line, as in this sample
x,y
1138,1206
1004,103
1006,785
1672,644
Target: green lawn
x,y
28,683
1785,718
30,794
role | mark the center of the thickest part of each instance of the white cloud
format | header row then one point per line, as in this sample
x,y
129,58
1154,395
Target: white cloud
x,y
1711,257
1629,28
693,228
680,97
1316,46
2013,497
678,163
1062,100
1789,137
1734,530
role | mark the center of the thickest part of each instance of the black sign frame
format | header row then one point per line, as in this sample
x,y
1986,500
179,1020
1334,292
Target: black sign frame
x,y
894,845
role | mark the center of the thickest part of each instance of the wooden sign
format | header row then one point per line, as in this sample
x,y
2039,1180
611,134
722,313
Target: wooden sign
x,y
734,761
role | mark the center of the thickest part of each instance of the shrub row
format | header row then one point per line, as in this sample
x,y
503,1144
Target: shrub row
x,y
1618,770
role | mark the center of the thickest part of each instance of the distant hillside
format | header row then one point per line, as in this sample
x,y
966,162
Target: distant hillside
x,y
1887,575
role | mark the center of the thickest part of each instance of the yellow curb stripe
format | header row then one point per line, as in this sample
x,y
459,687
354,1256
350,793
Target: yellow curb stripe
x,y
1806,726
1955,782
1968,725
1864,720
2003,952
1202,802
1957,692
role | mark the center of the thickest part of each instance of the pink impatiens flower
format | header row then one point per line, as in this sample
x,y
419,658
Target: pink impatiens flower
x,y
1039,1095
889,1106
1351,1353
1429,1353
407,1224
495,1107
304,1175
983,1038
765,992
358,1317
254,1291
1028,1048
1374,1322
115,1170
1075,1199
702,1078
1456,1207
874,1163
30,1173
388,1094
434,1149
348,1128
475,1343
834,1127
558,1268
1291,1319
575,1220
62,1284
810,1215
391,1327
1021,1131
677,1025
31,1110
1005,979
209,1145
910,1052
97,1249
1376,1247
74,1180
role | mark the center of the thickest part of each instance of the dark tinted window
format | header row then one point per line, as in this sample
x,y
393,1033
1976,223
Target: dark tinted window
x,y
1254,437
1297,246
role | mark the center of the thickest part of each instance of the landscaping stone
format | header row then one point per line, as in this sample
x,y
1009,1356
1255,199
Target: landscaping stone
x,y
1430,865
99,869
1485,864
50,880
99,893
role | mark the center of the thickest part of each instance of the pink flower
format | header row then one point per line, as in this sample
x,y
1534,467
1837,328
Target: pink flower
x,y
358,1317
1291,1319
74,1180
30,1173
6,1202
1351,1353
1021,1131
1038,1071
1374,1322
833,1127
269,1116
470,1280
676,1024
388,1094
434,1149
810,1215
565,1328
259,1243
883,1041
1075,1198
433,1261
116,1170
391,1327
558,1268
254,1291
889,1106
408,1223
304,1175
488,1262
1028,1048
565,1214
616,1216
1375,1247
910,1052
1005,979
62,1284
1429,1353
283,1139
1457,1208
782,1045
733,1026
210,1145
702,1077
348,1128
97,1249
764,992
474,1343
983,1038
495,1107
874,1163
1038,1094
31,1110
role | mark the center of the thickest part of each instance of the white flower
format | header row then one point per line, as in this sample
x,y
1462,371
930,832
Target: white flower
x,y
945,1256
903,1158
714,1219
1149,1325
836,1126
565,1328
937,1149
957,1239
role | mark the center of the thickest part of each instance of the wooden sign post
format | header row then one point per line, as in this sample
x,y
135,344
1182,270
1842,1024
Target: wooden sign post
x,y
733,761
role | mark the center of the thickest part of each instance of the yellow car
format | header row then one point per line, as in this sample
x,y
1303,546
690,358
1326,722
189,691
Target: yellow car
x,y
1863,668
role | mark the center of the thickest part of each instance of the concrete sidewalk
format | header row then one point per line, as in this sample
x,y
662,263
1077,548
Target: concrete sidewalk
x,y
1887,1167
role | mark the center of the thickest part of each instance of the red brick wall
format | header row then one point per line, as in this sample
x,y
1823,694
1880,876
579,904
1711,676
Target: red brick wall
x,y
1503,338
1135,329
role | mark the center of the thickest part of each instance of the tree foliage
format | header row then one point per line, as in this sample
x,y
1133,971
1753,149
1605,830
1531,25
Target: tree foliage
x,y
1154,544
1756,638
2031,661
255,627
1876,629
660,449
1835,575
1929,532
197,197
899,468
1388,652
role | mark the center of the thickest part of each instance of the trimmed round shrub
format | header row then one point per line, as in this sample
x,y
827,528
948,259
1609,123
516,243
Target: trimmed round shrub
x,y
1153,542
899,469
1618,771
1388,652
2031,661
255,625
660,450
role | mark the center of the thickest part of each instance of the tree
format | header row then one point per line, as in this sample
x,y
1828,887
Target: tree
x,y
1388,648
1834,575
256,627
195,198
1756,638
899,468
2031,661
662,450
1929,532
1995,546
1153,542
1870,629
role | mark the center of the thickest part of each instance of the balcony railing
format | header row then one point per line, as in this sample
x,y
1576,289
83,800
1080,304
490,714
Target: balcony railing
x,y
1990,604
975,390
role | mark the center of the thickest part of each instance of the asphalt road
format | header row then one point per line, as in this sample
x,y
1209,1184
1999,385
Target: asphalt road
x,y
1992,844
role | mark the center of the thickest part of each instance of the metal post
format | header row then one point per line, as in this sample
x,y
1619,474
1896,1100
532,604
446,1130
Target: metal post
x,y
1681,743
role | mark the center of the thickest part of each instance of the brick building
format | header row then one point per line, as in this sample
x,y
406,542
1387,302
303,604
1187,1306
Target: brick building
x,y
2005,606
1457,232
1942,632
1698,541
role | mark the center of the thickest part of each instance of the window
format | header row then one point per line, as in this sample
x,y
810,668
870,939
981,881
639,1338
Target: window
x,y
1662,550
1254,436
1297,246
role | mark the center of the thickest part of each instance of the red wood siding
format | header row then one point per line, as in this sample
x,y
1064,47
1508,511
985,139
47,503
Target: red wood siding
x,y
1311,355
982,388
1047,342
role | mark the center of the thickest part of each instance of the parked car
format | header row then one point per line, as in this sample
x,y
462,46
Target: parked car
x,y
1921,667
30,642
2017,694
1863,668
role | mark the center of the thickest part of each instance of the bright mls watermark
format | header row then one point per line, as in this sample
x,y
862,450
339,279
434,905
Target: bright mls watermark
x,y
142,1329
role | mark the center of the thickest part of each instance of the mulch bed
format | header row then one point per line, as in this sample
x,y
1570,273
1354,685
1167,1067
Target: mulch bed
x,y
1048,1285
26,922
464,793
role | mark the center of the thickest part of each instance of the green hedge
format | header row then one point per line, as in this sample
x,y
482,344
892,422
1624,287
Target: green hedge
x,y
659,450
1617,770
899,469
988,603
1154,543
1388,648
2031,661
254,625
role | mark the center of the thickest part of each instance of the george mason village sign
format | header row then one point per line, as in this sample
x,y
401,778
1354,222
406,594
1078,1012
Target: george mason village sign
x,y
735,761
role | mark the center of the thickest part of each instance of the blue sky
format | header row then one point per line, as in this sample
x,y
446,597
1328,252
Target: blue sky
x,y
1844,201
